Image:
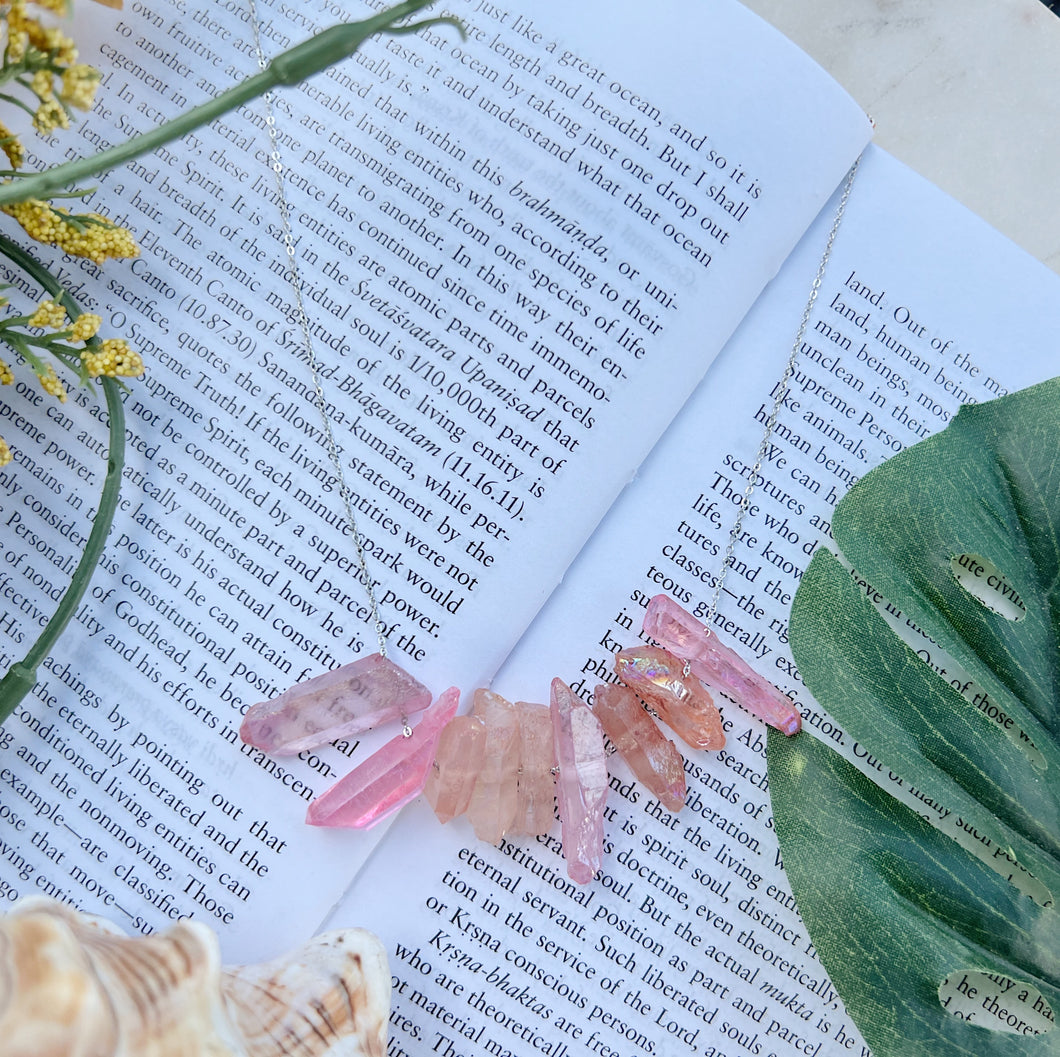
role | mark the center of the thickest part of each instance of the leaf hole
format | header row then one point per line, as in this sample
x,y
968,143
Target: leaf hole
x,y
998,859
997,1002
987,584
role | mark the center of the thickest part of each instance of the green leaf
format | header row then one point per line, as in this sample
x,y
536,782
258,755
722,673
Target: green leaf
x,y
893,906
892,910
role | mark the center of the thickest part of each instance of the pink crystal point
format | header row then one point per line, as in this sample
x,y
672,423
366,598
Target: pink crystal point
x,y
682,703
536,787
653,758
461,750
345,701
581,786
718,666
493,799
389,778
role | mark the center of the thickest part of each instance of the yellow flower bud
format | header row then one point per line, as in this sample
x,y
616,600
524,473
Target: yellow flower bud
x,y
41,85
49,314
50,383
50,115
112,358
79,85
11,146
85,326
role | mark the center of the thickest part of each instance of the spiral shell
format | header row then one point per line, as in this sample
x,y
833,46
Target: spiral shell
x,y
72,985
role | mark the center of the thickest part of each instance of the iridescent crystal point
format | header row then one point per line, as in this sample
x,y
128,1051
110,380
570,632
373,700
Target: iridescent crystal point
x,y
461,750
581,784
680,701
340,703
390,778
494,797
718,666
536,786
653,758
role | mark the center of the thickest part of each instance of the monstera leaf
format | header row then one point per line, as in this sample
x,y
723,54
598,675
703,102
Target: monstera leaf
x,y
960,535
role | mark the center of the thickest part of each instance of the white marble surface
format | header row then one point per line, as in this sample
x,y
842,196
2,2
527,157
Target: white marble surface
x,y
967,92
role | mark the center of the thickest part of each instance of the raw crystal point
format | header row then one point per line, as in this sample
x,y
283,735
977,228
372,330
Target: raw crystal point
x,y
718,666
653,758
389,778
681,703
536,787
345,701
493,799
461,750
581,785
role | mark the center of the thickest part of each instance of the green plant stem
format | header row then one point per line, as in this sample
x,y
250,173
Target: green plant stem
x,y
312,56
21,677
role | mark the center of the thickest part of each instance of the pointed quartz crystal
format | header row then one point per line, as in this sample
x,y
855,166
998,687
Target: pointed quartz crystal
x,y
536,787
653,758
337,704
719,667
581,784
390,778
461,751
681,702
493,799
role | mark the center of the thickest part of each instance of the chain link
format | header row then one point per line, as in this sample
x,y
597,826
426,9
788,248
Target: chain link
x,y
309,353
781,392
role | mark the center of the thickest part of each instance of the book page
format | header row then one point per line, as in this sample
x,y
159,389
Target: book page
x,y
689,939
517,253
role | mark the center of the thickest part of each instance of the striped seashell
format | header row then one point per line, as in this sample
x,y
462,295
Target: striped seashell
x,y
73,985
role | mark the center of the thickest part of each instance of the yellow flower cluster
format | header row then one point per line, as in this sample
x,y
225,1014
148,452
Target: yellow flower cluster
x,y
50,383
25,28
38,56
49,314
79,84
50,113
44,53
86,326
91,236
112,358
10,145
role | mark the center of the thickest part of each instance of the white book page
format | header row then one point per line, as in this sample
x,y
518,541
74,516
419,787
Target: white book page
x,y
689,939
518,255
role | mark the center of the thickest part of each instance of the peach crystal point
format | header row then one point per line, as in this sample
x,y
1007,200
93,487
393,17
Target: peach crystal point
x,y
654,759
337,704
493,799
681,702
461,750
390,778
536,787
581,784
718,666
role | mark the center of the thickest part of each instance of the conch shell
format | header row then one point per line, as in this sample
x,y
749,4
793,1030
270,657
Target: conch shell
x,y
72,985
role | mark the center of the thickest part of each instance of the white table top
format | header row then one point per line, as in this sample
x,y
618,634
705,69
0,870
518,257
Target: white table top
x,y
966,92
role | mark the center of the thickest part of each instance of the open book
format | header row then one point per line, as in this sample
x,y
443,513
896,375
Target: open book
x,y
553,273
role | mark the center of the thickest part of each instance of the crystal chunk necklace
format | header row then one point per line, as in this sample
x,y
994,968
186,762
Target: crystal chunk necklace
x,y
502,764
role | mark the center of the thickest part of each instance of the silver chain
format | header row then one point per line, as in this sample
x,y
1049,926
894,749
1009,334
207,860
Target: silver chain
x,y
781,393
294,275
295,278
